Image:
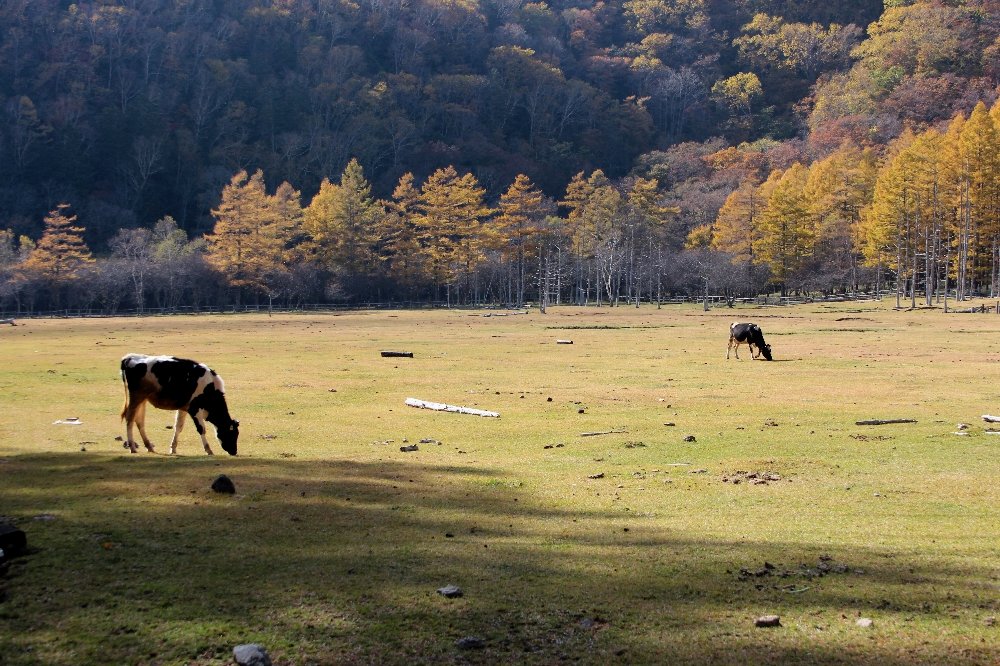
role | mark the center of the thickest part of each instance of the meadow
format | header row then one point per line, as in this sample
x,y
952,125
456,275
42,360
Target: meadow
x,y
720,490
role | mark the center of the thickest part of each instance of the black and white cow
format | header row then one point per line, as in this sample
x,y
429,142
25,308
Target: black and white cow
x,y
749,335
189,387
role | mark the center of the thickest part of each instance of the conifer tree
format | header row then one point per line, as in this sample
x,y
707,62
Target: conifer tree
x,y
61,252
451,212
523,209
787,235
253,233
980,153
341,221
400,249
737,226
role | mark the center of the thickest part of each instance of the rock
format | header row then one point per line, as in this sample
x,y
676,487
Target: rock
x,y
251,654
450,591
470,643
767,621
12,540
223,484
408,448
690,438
698,471
961,426
599,475
864,622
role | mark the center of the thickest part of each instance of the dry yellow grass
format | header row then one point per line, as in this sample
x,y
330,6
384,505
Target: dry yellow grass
x,y
336,541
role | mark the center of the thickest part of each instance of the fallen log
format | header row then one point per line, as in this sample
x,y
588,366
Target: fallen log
x,y
394,354
8,321
884,421
991,419
564,342
603,432
442,407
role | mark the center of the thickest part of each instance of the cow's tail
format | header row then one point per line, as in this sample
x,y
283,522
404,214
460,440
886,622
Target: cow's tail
x,y
125,384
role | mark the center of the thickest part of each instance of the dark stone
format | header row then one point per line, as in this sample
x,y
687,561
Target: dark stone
x,y
470,643
768,621
223,484
12,540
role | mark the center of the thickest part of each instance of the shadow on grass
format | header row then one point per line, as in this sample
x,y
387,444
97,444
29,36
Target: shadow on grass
x,y
136,561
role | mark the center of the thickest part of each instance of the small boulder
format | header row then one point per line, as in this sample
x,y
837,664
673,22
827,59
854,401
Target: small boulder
x,y
865,622
408,448
690,438
470,643
450,591
767,621
223,484
251,654
12,540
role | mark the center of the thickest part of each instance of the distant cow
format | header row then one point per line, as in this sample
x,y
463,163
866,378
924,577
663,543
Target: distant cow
x,y
176,383
749,335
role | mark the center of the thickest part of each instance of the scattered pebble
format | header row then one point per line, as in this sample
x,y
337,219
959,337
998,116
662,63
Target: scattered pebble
x,y
690,438
864,622
599,475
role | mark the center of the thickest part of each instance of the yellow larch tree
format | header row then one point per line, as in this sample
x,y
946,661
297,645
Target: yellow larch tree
x,y
787,233
60,254
253,232
523,209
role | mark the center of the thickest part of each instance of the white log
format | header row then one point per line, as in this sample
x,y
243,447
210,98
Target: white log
x,y
564,342
991,419
442,407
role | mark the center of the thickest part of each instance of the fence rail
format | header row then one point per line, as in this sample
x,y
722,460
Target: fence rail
x,y
713,300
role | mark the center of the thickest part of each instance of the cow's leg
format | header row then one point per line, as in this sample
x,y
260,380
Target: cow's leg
x,y
178,426
200,426
129,414
730,348
140,419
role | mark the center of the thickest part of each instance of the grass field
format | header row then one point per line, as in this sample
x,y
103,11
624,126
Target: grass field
x,y
336,541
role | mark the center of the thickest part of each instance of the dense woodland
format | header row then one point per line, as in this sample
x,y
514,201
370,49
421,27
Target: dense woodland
x,y
200,153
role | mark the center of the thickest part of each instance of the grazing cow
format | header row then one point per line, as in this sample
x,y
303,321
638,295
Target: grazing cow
x,y
176,383
749,335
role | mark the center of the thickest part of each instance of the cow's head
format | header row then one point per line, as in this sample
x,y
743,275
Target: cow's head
x,y
765,351
228,434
